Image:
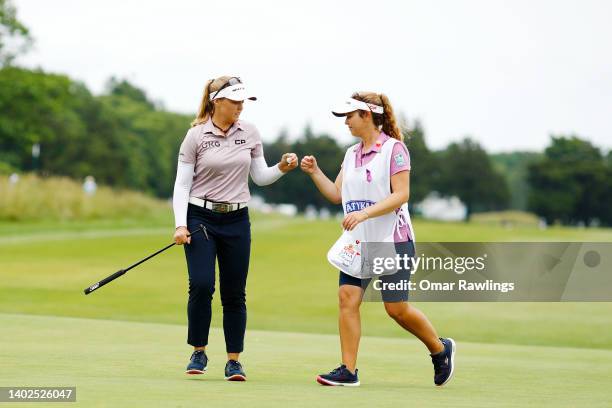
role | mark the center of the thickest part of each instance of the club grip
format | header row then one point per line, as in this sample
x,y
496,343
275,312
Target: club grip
x,y
104,281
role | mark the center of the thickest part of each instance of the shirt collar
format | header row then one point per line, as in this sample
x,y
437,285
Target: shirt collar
x,y
377,147
210,128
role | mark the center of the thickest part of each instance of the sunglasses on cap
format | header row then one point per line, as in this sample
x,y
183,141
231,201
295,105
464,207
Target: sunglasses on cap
x,y
230,82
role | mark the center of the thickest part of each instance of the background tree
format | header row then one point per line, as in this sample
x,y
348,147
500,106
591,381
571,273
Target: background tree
x,y
514,166
425,169
120,137
571,182
605,210
297,188
467,172
14,36
37,108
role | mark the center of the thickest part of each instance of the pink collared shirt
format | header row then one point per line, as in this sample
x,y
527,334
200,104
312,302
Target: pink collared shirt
x,y
400,161
222,162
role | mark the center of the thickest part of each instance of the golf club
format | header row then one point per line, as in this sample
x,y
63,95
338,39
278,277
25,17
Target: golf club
x,y
120,272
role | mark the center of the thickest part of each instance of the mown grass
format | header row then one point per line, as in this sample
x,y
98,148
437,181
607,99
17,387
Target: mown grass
x,y
291,286
129,364
125,345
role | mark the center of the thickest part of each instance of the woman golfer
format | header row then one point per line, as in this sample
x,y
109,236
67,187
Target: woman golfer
x,y
373,187
215,159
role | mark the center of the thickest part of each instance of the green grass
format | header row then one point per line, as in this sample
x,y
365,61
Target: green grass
x,y
126,364
291,286
134,329
28,199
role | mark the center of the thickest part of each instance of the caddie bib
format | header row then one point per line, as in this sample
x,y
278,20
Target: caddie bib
x,y
362,187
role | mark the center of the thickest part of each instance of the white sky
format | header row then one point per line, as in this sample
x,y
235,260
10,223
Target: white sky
x,y
509,73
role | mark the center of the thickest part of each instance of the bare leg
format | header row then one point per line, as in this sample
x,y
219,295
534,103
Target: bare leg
x,y
349,323
413,320
233,356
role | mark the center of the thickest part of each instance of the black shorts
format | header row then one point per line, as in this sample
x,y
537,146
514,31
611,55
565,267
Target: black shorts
x,y
401,276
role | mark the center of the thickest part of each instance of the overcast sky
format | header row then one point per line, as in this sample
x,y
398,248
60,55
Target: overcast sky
x,y
508,73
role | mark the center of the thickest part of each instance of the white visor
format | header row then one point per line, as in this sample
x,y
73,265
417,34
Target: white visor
x,y
235,92
351,105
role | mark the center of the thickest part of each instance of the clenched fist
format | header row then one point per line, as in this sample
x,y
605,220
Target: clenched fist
x,y
288,162
309,165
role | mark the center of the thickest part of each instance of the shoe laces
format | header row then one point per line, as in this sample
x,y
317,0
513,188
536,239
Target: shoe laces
x,y
233,364
198,355
338,370
440,361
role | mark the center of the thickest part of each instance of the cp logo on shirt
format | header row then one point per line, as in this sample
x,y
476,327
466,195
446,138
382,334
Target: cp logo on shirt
x,y
239,141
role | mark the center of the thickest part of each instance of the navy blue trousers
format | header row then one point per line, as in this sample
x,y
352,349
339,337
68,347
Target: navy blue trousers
x,y
230,244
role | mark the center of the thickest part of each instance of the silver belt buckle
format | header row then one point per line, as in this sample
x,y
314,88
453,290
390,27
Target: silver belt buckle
x,y
222,207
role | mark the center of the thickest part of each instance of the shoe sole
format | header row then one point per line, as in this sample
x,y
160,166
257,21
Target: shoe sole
x,y
454,348
196,372
236,377
323,381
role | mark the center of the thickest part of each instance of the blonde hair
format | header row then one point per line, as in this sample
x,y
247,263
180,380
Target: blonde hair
x,y
207,107
387,119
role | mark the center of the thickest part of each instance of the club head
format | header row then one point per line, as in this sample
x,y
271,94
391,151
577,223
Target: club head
x,y
203,228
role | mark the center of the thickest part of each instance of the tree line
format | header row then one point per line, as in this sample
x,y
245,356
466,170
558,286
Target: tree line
x,y
53,125
462,169
126,140
119,137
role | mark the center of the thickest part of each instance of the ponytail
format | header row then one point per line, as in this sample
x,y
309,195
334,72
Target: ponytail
x,y
206,106
389,123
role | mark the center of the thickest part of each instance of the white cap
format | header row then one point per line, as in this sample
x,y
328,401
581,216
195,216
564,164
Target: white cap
x,y
351,105
235,92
